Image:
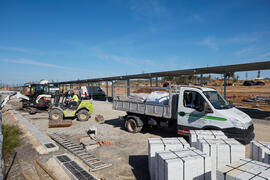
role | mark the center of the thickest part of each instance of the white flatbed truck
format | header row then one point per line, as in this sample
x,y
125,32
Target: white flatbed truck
x,y
189,108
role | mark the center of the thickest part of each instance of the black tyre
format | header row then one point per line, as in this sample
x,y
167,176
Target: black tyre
x,y
83,115
56,115
132,126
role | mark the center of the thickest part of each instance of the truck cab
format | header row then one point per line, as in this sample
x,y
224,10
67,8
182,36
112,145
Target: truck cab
x,y
205,108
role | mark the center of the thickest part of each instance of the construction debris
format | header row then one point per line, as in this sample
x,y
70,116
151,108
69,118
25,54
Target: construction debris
x,y
244,169
260,151
73,169
57,124
99,118
105,143
257,99
78,150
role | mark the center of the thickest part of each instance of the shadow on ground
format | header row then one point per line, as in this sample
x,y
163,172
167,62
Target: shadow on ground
x,y
159,131
139,166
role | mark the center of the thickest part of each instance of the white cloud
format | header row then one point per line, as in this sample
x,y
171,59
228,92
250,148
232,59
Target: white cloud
x,y
262,56
210,42
148,8
34,63
20,50
125,60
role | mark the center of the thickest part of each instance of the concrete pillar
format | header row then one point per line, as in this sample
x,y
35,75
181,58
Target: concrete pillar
x,y
151,84
156,81
112,89
225,84
128,87
201,80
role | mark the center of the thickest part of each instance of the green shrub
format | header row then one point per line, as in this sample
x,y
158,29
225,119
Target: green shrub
x,y
11,138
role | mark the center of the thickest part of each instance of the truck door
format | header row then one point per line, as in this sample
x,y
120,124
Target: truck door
x,y
190,111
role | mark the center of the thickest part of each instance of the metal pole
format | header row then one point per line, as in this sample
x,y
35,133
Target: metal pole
x,y
201,80
107,90
91,91
150,84
128,88
112,89
225,84
156,81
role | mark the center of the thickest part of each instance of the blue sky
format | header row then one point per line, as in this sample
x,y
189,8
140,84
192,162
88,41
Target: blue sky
x,y
64,40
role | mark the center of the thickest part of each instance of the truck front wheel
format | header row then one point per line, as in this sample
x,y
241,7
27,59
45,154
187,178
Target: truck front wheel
x,y
132,125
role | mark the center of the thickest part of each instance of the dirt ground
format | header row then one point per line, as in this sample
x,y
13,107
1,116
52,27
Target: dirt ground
x,y
128,154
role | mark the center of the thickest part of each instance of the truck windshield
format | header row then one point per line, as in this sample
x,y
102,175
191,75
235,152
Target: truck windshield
x,y
217,100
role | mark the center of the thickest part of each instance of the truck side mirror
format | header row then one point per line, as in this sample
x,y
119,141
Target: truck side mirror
x,y
206,108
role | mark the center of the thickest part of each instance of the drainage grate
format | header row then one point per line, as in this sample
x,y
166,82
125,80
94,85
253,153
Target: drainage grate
x,y
63,158
76,149
49,145
75,169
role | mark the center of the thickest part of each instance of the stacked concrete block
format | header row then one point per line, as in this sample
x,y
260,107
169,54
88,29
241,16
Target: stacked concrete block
x,y
186,164
195,135
222,152
244,169
260,151
162,144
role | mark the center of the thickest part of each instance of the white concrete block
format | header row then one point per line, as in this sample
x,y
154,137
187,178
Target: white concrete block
x,y
221,151
160,145
186,164
195,135
244,169
260,151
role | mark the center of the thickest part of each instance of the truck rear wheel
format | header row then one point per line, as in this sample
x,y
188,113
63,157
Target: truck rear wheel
x,y
132,125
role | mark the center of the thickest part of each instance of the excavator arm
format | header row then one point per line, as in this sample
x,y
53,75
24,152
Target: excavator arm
x,y
16,95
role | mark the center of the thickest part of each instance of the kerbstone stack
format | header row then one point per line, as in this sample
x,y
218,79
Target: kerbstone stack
x,y
222,152
162,144
244,169
260,151
195,135
186,164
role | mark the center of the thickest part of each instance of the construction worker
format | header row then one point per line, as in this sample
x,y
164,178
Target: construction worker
x,y
73,99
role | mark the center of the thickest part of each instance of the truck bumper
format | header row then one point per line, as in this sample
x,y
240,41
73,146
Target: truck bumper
x,y
242,135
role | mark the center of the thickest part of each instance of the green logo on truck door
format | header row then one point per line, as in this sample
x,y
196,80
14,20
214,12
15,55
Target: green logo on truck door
x,y
205,117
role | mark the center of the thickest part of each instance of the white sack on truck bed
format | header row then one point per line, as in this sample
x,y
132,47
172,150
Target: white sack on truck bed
x,y
158,97
160,145
222,152
260,151
186,164
244,169
141,97
195,135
